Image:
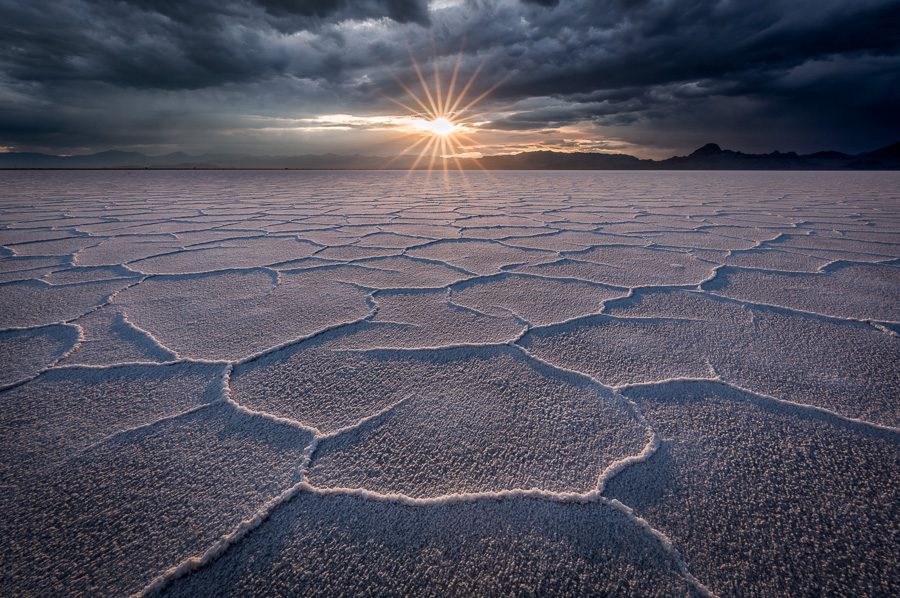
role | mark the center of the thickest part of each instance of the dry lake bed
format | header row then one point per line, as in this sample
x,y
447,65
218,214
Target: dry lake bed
x,y
330,383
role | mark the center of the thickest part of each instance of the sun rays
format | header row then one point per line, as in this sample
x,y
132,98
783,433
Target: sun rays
x,y
441,118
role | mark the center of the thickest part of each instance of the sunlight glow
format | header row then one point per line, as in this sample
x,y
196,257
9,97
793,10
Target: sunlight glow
x,y
438,126
438,115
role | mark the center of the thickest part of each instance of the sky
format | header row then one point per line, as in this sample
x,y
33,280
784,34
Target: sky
x,y
652,78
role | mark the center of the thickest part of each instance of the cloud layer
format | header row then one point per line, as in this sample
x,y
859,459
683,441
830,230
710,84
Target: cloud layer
x,y
652,76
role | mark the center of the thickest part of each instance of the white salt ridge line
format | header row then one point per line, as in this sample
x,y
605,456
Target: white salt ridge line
x,y
35,269
673,286
804,251
775,270
274,418
150,336
195,248
303,264
363,421
75,283
548,233
72,256
602,315
794,310
826,268
526,325
754,245
567,253
566,278
571,254
387,289
153,423
843,235
653,440
499,268
758,242
112,296
227,397
393,252
653,444
484,278
71,321
446,347
427,240
31,242
663,381
237,237
800,406
666,543
296,341
423,260
194,563
318,435
181,249
127,364
70,267
146,426
201,273
79,339
880,326
334,265
816,409
226,383
837,264
522,321
396,323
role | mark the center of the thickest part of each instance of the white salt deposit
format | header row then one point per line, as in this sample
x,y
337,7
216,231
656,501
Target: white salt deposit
x,y
302,383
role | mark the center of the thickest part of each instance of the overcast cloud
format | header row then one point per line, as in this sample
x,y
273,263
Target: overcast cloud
x,y
651,77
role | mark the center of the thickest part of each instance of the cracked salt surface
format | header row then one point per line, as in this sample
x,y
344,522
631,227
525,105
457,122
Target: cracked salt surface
x,y
844,366
762,498
294,383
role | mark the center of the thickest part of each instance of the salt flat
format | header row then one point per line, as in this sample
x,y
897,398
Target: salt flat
x,y
298,383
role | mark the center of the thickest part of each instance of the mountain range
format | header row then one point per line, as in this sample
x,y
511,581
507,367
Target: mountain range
x,y
708,157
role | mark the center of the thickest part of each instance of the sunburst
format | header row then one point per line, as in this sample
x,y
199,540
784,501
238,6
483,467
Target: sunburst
x,y
442,118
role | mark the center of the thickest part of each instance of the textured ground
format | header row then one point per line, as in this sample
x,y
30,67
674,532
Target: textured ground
x,y
288,383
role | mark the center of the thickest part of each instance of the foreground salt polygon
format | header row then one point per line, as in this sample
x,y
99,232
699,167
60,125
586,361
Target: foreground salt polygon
x,y
248,383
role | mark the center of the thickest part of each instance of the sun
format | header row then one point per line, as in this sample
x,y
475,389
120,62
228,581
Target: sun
x,y
441,117
438,126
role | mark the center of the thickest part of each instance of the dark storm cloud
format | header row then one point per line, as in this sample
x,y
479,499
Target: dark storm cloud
x,y
175,45
659,73
648,43
293,11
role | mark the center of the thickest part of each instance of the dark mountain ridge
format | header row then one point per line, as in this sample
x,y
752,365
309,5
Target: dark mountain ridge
x,y
708,157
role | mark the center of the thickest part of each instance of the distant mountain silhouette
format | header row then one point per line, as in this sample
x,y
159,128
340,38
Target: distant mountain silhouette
x,y
559,161
710,149
708,157
713,157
